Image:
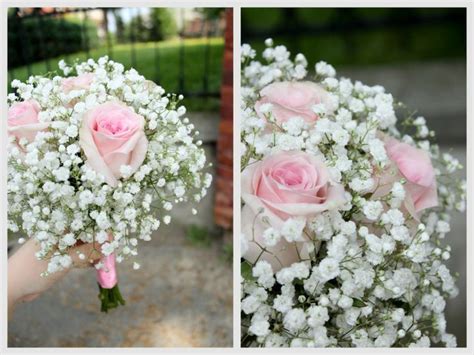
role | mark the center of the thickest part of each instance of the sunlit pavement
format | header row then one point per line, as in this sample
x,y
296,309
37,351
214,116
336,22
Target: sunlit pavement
x,y
181,296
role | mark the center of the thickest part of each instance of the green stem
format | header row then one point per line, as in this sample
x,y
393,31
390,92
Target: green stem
x,y
110,298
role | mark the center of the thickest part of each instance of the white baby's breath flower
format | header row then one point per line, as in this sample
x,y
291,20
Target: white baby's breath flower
x,y
271,237
72,131
61,174
292,229
325,69
372,209
126,171
325,267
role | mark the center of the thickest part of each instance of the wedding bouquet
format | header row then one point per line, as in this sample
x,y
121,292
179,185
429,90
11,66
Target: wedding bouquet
x,y
344,212
99,156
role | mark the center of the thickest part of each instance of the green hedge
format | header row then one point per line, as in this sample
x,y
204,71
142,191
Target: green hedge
x,y
349,36
34,39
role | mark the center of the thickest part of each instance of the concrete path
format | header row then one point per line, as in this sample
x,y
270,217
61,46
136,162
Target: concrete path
x,y
456,312
181,296
437,90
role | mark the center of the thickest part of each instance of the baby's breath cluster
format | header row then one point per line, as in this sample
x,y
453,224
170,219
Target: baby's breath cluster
x,y
58,199
365,272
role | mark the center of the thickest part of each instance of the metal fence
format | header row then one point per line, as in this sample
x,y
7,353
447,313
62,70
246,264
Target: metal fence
x,y
206,29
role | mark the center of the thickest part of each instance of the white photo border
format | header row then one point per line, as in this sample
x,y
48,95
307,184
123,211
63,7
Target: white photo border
x,y
236,4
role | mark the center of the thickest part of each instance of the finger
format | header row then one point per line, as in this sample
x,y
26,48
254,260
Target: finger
x,y
85,255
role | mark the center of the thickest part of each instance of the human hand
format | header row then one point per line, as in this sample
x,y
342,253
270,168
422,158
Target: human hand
x,y
25,282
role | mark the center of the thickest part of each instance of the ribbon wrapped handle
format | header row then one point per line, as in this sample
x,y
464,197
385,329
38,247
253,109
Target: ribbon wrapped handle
x,y
107,280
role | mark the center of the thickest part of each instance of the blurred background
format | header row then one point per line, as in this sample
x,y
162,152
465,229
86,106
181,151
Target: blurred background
x,y
180,49
417,54
182,294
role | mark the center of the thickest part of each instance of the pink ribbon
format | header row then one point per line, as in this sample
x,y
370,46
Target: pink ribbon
x,y
107,275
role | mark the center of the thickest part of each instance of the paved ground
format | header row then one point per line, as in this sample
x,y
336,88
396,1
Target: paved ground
x,y
437,90
456,311
181,296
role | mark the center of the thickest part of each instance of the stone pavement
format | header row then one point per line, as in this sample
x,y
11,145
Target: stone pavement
x,y
456,312
437,90
181,296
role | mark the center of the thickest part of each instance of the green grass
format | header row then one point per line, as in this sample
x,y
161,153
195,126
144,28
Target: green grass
x,y
164,70
198,235
228,252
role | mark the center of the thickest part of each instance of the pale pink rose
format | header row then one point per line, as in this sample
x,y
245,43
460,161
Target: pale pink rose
x,y
23,120
293,99
284,185
112,135
80,82
415,166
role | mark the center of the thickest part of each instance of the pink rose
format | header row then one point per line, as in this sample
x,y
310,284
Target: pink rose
x,y
23,120
112,135
292,99
284,185
80,82
415,166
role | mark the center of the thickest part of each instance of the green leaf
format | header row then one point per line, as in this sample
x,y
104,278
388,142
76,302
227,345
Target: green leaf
x,y
358,303
246,271
110,298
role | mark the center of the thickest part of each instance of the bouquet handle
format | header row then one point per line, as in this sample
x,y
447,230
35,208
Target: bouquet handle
x,y
109,292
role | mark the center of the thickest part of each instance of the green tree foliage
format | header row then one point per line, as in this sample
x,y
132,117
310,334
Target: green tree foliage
x,y
162,24
158,25
137,29
36,38
359,36
120,27
211,13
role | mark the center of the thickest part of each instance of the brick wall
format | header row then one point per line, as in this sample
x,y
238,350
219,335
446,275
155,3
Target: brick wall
x,y
224,180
